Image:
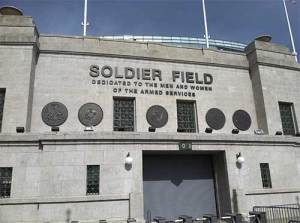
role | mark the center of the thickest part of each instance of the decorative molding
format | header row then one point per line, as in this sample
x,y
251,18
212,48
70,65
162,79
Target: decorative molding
x,y
63,138
279,66
56,200
273,191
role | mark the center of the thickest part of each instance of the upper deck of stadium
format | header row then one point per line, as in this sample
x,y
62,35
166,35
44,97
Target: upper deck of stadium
x,y
181,41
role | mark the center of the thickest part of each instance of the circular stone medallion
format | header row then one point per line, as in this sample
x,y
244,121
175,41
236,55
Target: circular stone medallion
x,y
242,120
90,114
157,116
215,118
54,114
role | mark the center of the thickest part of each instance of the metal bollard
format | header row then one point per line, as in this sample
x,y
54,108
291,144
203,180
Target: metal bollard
x,y
232,218
210,218
199,219
159,219
169,221
260,217
294,221
131,220
186,218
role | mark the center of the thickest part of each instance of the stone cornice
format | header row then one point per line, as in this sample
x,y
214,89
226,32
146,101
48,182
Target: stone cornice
x,y
273,191
62,199
31,139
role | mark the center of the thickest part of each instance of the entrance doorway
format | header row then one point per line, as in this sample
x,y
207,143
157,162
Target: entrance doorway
x,y
178,185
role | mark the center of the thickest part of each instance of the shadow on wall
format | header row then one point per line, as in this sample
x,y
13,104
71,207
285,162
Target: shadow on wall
x,y
127,167
68,215
297,199
238,165
235,201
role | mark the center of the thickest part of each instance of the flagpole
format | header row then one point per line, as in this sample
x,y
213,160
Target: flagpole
x,y
290,30
85,18
205,23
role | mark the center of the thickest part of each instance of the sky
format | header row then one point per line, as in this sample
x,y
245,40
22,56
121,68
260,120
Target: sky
x,y
232,20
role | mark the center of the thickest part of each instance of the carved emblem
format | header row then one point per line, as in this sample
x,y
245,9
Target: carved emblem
x,y
215,118
157,116
54,114
242,120
90,114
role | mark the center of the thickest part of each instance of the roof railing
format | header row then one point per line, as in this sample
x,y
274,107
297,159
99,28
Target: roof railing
x,y
182,41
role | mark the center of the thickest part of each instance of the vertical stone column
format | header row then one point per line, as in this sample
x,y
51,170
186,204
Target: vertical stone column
x,y
273,71
18,56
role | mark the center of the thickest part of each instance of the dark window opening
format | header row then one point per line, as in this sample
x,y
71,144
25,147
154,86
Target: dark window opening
x,y
287,118
2,99
5,181
265,175
186,116
123,114
92,180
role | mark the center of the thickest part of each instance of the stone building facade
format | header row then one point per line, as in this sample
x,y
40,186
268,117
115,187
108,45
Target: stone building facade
x,y
182,116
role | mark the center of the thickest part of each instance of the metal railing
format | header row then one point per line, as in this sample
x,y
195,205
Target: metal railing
x,y
182,41
280,213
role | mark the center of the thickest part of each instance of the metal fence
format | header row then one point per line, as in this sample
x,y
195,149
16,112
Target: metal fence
x,y
182,41
280,213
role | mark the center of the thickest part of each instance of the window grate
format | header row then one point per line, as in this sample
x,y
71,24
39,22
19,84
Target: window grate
x,y
287,119
123,114
5,181
92,180
2,98
265,175
186,116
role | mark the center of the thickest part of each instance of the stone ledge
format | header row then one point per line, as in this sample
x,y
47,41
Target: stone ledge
x,y
273,191
296,68
267,46
143,137
55,200
16,21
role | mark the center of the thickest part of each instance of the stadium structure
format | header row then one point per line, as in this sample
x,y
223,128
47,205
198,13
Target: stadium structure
x,y
188,42
145,129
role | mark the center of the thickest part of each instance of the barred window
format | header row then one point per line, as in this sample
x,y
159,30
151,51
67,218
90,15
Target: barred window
x,y
2,98
92,180
265,175
123,114
186,116
287,118
5,181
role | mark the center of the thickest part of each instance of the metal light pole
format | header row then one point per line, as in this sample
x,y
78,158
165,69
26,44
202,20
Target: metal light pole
x,y
290,30
205,23
85,23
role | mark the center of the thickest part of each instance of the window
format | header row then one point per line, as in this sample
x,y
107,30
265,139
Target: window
x,y
123,114
287,118
92,180
2,97
186,116
5,181
265,175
